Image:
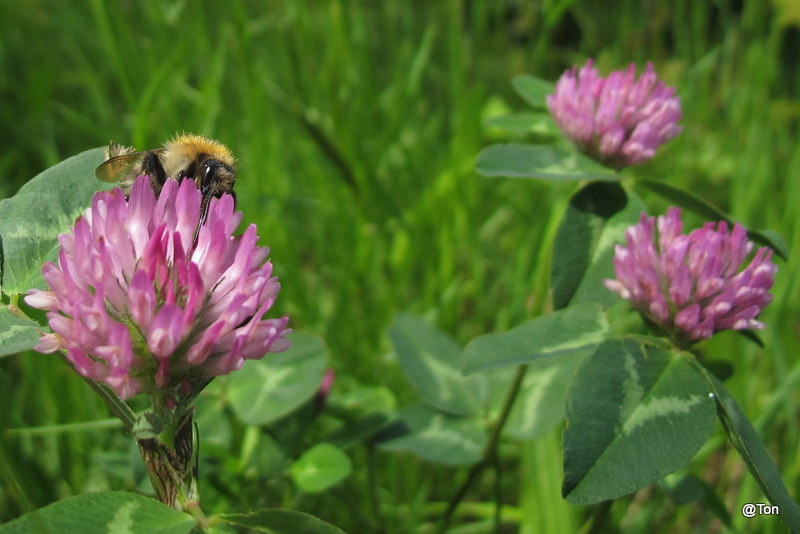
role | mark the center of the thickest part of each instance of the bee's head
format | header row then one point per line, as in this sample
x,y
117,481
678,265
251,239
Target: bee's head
x,y
214,177
209,163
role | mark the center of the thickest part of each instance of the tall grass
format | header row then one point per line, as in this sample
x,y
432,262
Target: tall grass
x,y
356,124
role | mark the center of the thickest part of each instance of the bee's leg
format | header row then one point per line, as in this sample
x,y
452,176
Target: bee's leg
x,y
151,166
204,204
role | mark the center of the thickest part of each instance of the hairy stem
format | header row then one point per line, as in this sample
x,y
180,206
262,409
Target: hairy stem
x,y
117,406
489,456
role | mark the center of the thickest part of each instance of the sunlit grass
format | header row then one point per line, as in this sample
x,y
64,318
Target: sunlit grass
x,y
356,125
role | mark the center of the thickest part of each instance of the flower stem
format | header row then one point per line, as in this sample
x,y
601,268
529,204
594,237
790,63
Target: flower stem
x,y
13,307
170,462
193,508
117,406
372,483
489,456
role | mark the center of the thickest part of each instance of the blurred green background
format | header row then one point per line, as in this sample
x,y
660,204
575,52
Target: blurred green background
x,y
356,125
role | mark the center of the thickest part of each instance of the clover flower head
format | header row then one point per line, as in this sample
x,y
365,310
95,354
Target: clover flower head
x,y
140,303
619,120
692,285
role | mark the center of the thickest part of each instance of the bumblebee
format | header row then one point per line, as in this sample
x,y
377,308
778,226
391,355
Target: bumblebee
x,y
209,163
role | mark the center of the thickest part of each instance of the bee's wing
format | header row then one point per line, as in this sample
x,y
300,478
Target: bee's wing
x,y
121,166
115,149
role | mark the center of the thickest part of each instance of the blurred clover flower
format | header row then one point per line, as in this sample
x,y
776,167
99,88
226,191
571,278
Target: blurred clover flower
x,y
140,304
692,285
618,121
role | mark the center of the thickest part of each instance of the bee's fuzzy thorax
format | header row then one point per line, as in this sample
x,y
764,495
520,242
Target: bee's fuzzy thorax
x,y
189,146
